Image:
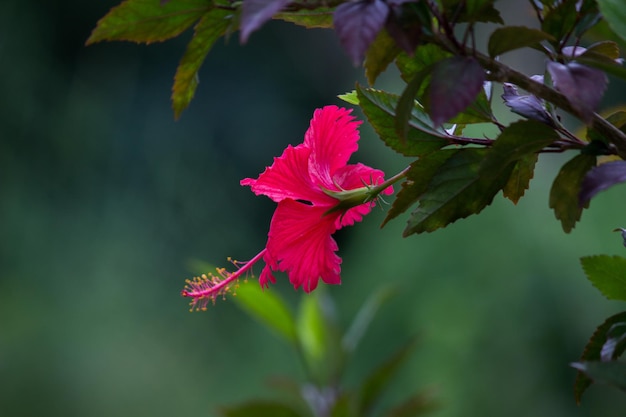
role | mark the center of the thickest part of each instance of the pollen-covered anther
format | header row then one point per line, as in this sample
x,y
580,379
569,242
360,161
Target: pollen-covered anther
x,y
208,287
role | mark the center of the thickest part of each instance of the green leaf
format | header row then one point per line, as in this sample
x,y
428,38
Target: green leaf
x,y
510,38
565,190
593,351
417,180
612,373
364,317
374,385
209,29
608,49
477,112
316,18
425,56
603,63
268,308
519,180
380,109
350,97
617,119
379,55
607,274
468,181
317,336
407,103
147,21
259,408
457,190
615,14
560,20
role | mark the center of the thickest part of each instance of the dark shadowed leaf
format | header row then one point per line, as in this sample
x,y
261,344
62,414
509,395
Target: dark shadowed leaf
x,y
422,137
148,21
607,274
583,86
566,188
519,180
404,23
259,408
615,14
593,351
527,105
316,18
617,119
357,23
601,62
612,373
473,11
600,178
406,103
417,179
380,54
208,30
254,13
454,85
375,384
560,20
268,308
514,37
468,180
477,112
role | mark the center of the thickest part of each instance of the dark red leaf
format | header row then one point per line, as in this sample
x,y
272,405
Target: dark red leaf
x,y
357,24
600,178
454,85
582,85
254,13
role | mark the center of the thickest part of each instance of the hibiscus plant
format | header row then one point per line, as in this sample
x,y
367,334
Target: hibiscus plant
x,y
451,82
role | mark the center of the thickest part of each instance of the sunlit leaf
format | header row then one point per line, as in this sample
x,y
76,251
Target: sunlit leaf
x,y
268,308
148,21
607,274
254,13
566,188
608,49
593,351
210,28
509,38
615,14
380,109
318,338
259,408
600,178
357,23
454,85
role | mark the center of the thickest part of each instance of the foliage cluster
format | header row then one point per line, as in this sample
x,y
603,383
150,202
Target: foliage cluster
x,y
450,84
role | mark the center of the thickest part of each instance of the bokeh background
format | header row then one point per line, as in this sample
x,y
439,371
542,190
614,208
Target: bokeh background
x,y
107,204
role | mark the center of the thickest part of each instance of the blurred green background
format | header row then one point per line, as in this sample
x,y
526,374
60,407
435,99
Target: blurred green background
x,y
107,203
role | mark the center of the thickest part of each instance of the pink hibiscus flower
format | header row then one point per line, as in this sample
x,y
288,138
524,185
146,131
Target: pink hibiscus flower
x,y
318,193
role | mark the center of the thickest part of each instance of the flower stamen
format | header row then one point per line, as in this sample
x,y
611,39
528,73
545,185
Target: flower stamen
x,y
207,287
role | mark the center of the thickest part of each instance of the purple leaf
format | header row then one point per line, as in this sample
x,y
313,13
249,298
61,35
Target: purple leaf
x,y
406,37
583,86
455,83
357,23
254,13
528,106
600,178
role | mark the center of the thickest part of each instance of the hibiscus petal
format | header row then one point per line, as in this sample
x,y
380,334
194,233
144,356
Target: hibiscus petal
x,y
332,137
300,241
288,177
